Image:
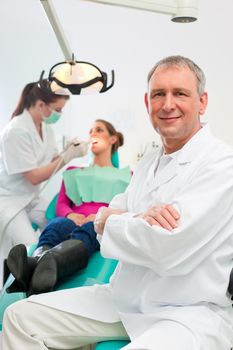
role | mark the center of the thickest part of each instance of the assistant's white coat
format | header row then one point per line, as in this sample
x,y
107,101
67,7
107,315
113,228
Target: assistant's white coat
x,y
21,150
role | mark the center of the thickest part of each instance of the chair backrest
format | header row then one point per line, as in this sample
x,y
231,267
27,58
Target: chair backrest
x,y
51,210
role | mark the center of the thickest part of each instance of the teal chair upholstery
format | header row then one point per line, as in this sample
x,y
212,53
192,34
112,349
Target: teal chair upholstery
x,y
35,226
111,345
51,210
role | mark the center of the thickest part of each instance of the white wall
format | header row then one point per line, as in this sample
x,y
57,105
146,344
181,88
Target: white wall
x,y
126,40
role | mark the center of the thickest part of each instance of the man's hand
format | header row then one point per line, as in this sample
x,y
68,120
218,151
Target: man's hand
x,y
165,216
78,219
102,216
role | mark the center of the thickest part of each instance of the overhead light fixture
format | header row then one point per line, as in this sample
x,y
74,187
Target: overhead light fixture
x,y
75,77
71,76
182,11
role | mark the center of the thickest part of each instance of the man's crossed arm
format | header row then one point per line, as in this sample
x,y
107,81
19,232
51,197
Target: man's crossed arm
x,y
163,215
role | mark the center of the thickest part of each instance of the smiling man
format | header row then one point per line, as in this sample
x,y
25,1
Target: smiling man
x,y
175,101
172,233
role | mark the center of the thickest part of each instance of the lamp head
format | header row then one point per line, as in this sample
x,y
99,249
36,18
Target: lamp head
x,y
186,11
76,77
183,19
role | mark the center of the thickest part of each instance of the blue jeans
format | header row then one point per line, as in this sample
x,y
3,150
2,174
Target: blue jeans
x,y
61,229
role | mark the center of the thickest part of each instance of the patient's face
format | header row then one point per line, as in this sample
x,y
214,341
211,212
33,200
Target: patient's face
x,y
101,140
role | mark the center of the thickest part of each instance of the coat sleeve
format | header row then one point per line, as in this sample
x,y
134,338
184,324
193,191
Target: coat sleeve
x,y
119,201
18,152
205,204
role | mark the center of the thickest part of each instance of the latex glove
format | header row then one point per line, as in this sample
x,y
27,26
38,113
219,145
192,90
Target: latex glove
x,y
74,141
74,150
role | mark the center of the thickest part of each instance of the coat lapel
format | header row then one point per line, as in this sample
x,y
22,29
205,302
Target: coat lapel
x,y
31,125
167,173
192,151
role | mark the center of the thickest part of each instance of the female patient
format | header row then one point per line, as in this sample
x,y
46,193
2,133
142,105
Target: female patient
x,y
69,240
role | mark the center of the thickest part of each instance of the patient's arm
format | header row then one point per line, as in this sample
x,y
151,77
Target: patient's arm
x,y
64,204
90,217
78,219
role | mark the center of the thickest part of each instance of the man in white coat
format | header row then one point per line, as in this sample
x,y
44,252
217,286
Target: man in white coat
x,y
172,233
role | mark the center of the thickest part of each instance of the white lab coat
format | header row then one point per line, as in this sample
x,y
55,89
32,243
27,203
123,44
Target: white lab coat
x,y
157,268
21,150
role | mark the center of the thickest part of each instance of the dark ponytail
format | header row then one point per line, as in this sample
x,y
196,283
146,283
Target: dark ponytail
x,y
31,94
112,131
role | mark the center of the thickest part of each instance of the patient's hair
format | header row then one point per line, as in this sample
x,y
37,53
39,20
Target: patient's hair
x,y
180,61
112,131
31,94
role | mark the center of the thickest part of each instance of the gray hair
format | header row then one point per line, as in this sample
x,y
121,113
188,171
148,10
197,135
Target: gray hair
x,y
180,61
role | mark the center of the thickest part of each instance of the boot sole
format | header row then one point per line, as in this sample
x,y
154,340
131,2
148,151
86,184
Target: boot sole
x,y
44,277
17,260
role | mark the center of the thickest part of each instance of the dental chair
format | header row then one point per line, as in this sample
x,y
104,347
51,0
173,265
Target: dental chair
x,y
98,271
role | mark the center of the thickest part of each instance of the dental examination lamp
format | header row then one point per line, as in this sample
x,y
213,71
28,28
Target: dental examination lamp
x,y
75,77
71,76
182,11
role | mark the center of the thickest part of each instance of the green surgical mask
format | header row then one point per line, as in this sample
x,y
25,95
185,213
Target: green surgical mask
x,y
52,118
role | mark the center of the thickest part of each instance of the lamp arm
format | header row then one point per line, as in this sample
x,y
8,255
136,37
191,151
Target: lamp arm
x,y
162,6
57,28
181,11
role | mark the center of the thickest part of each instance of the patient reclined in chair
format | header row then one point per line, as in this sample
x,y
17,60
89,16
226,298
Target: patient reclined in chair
x,y
68,240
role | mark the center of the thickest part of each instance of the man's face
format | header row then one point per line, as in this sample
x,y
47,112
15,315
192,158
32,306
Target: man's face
x,y
174,105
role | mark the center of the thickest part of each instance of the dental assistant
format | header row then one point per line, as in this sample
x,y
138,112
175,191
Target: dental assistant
x,y
28,156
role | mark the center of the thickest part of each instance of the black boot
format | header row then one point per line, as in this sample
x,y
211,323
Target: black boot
x,y
61,261
230,286
6,271
22,266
